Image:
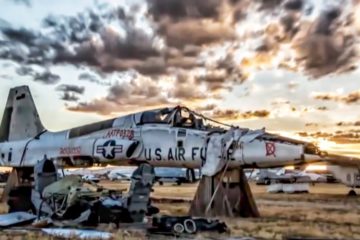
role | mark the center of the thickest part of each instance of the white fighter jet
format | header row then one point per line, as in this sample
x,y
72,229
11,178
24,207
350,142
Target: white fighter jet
x,y
168,137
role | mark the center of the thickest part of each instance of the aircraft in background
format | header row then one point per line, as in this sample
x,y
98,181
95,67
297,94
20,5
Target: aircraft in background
x,y
120,174
268,176
176,175
167,137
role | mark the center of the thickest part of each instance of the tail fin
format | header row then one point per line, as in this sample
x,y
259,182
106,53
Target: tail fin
x,y
21,119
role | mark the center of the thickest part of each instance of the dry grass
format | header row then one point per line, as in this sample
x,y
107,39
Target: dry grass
x,y
326,212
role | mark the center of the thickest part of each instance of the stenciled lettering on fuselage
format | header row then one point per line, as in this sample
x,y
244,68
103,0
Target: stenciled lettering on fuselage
x,y
109,149
70,151
120,133
174,154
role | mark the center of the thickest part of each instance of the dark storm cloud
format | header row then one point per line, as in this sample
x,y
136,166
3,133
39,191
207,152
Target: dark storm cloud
x,y
86,39
47,77
71,88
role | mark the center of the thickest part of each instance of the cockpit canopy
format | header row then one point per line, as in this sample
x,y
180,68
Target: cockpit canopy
x,y
177,117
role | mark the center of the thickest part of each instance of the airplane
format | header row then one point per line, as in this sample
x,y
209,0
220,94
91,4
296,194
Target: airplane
x,y
167,137
123,174
267,176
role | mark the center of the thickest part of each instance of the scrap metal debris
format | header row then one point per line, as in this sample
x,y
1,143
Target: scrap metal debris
x,y
15,219
185,224
77,233
71,202
88,204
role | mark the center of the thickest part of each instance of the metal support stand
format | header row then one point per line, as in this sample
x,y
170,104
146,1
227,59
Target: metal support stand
x,y
12,181
226,194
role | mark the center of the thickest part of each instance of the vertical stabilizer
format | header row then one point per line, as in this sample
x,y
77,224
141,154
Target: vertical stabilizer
x,y
20,119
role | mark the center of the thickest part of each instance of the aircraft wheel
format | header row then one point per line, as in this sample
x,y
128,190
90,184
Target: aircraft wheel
x,y
190,226
178,228
352,193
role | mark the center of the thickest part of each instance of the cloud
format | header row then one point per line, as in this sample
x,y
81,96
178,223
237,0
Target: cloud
x,y
70,92
183,88
138,93
346,124
231,114
205,108
311,124
352,97
85,76
27,3
179,10
205,47
322,108
69,97
90,38
317,39
195,32
71,88
25,71
340,137
46,77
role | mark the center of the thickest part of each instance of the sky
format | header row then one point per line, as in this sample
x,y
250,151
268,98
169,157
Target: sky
x,y
290,66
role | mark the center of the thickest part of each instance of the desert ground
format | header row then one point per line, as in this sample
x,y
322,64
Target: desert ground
x,y
326,212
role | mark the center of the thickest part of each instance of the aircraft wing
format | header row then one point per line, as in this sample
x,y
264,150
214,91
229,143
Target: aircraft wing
x,y
333,159
345,161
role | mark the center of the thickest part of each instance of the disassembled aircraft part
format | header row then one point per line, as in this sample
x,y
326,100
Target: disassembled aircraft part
x,y
138,199
186,224
77,233
15,219
70,198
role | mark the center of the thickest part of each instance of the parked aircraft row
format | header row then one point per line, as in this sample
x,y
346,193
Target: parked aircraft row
x,y
114,173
